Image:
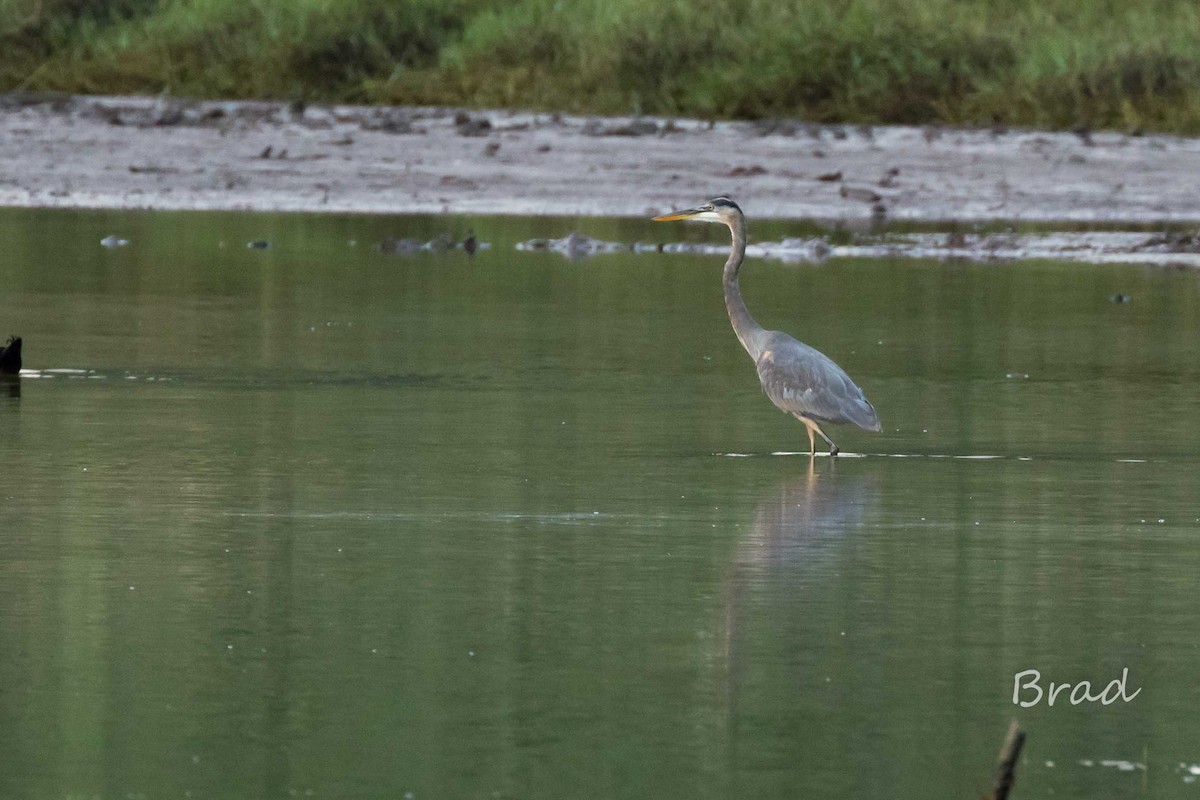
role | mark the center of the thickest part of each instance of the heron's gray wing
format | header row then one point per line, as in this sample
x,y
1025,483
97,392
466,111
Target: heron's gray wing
x,y
804,381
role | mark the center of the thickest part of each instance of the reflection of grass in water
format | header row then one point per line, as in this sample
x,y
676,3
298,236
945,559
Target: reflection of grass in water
x,y
1125,63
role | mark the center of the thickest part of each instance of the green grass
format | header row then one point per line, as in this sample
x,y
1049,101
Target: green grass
x,y
1053,63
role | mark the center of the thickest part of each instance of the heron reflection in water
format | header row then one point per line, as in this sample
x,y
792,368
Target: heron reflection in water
x,y
787,571
800,380
799,523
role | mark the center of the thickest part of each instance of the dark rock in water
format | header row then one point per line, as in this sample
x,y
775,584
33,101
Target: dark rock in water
x,y
1120,298
258,244
470,244
10,357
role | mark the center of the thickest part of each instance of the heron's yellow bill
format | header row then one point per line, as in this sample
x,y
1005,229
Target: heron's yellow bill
x,y
675,215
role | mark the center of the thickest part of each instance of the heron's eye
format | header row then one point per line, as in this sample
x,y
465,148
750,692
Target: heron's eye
x,y
707,207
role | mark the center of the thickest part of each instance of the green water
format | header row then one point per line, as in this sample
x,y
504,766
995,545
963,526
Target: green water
x,y
319,521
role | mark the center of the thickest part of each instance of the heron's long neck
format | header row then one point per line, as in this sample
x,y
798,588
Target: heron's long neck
x,y
748,331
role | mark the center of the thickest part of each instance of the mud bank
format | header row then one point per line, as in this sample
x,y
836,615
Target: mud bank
x,y
156,153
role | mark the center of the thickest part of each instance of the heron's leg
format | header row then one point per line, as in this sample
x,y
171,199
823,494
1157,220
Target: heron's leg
x,y
812,427
833,448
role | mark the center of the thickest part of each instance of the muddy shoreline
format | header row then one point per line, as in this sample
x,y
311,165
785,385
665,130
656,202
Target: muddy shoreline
x,y
131,152
168,154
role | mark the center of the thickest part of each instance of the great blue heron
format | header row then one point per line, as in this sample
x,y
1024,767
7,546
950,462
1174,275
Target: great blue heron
x,y
799,380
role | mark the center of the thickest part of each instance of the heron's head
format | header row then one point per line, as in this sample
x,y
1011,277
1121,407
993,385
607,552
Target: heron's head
x,y
719,209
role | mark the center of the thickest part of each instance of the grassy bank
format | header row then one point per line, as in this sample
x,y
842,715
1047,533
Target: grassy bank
x,y
1055,63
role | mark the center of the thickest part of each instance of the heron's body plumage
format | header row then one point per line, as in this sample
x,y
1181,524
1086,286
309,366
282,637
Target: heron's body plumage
x,y
802,380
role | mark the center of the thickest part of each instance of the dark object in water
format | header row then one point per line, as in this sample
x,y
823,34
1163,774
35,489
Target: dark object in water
x,y
1120,298
470,244
1010,754
10,357
258,244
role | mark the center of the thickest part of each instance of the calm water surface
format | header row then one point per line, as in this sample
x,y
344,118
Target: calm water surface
x,y
320,521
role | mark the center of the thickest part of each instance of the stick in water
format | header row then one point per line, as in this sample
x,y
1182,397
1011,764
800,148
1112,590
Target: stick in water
x,y
1008,761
